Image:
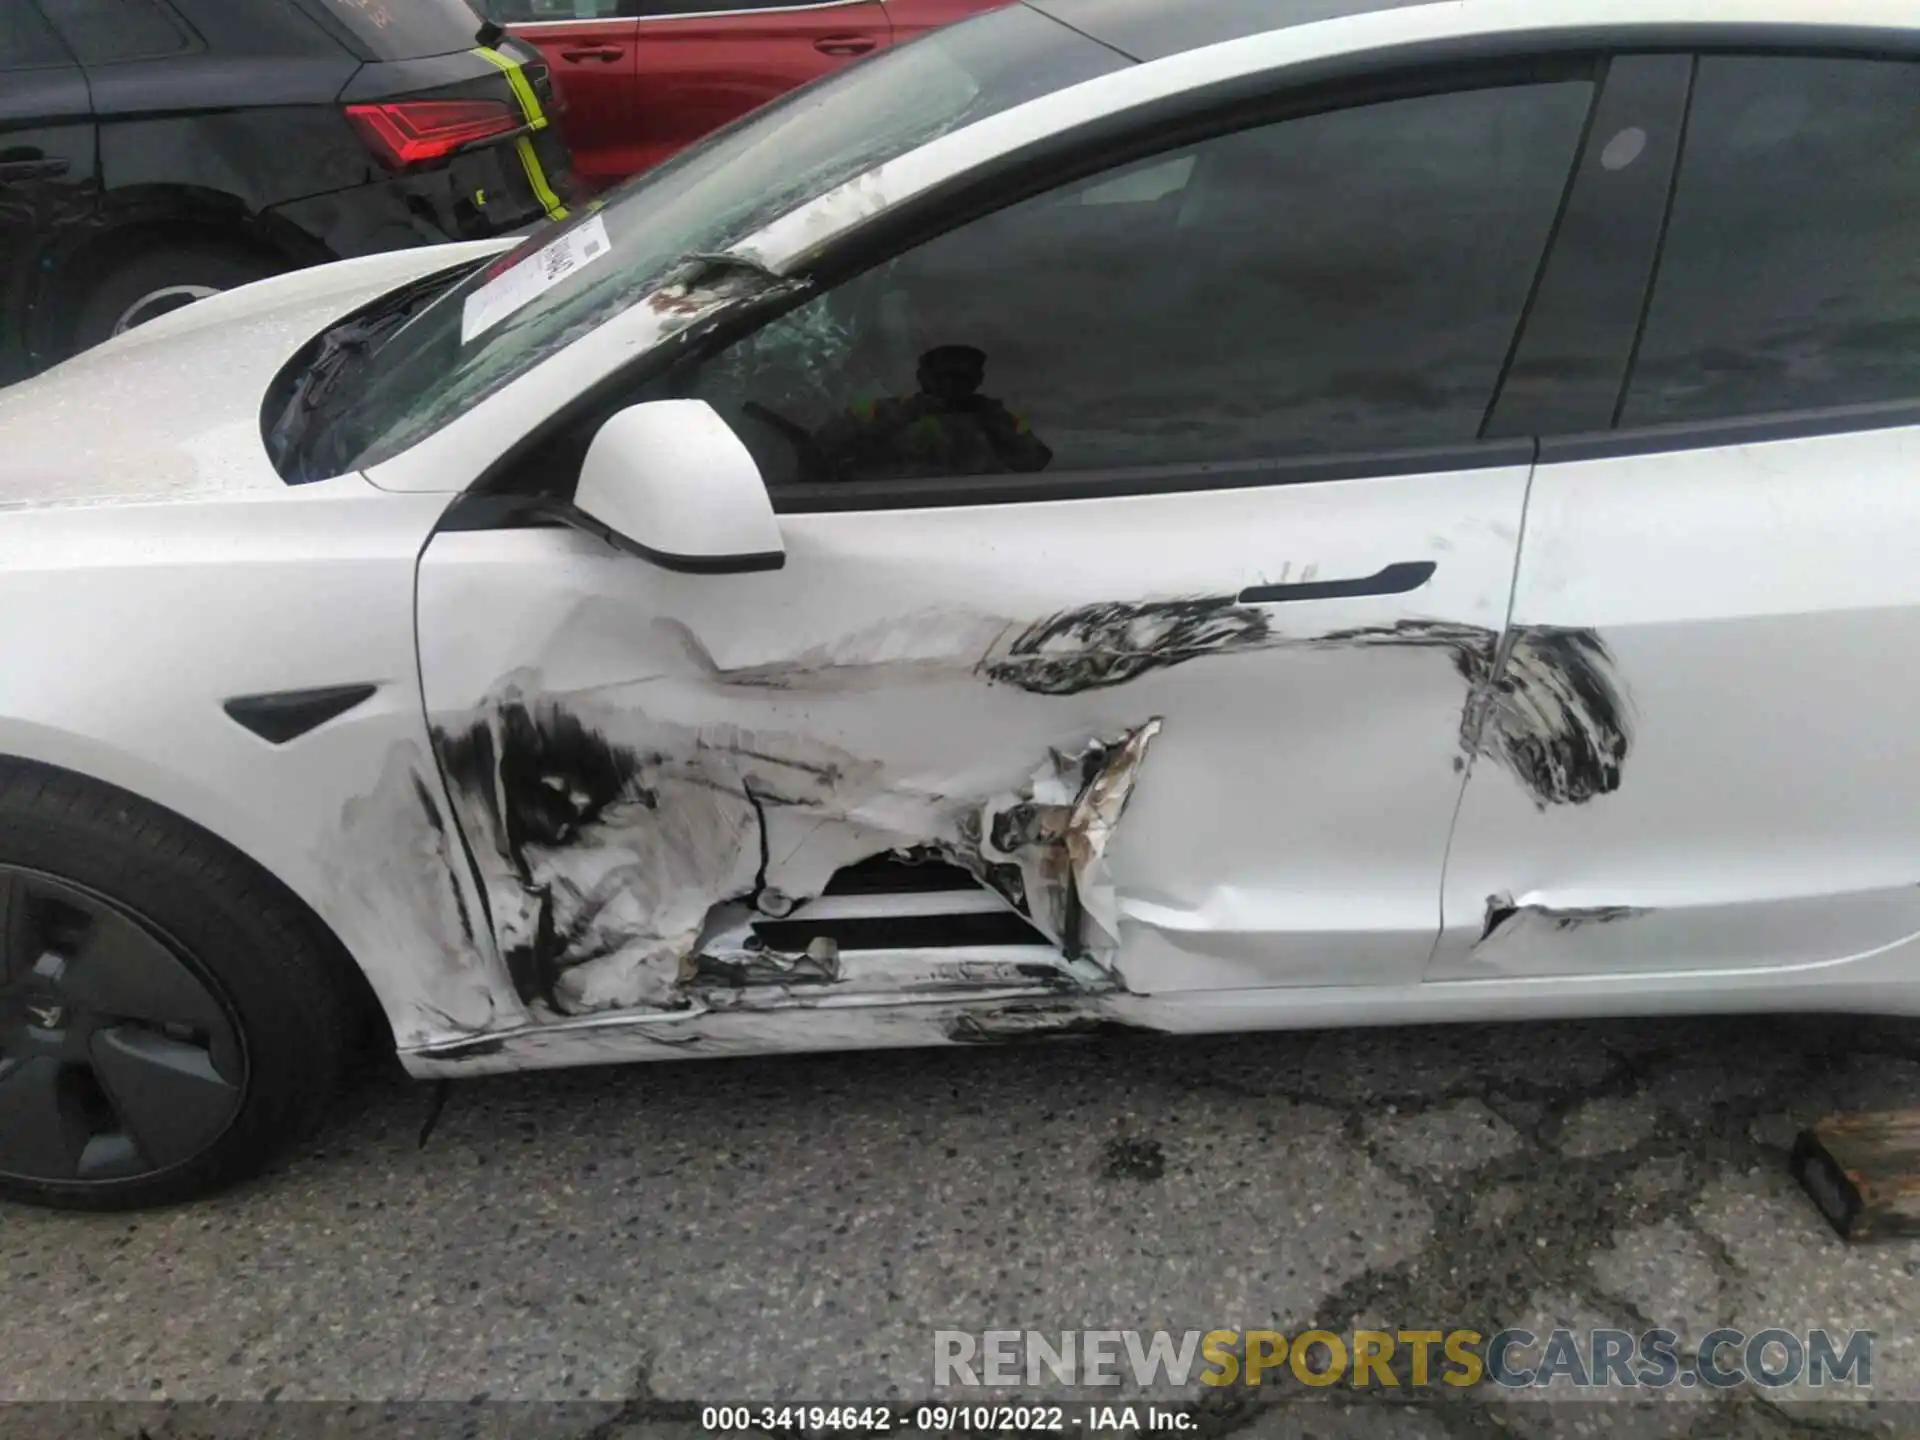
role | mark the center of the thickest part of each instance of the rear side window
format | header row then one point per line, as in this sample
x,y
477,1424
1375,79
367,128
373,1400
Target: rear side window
x,y
522,12
101,32
408,29
1790,279
25,41
1344,282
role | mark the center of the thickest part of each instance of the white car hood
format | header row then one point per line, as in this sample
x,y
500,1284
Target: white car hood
x,y
172,410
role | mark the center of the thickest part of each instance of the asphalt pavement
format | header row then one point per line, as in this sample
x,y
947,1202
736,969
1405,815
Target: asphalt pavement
x,y
638,1241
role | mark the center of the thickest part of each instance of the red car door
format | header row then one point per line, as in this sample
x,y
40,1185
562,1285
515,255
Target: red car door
x,y
590,46
699,71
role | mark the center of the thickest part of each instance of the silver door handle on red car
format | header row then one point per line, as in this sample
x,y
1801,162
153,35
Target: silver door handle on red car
x,y
845,45
1394,580
608,53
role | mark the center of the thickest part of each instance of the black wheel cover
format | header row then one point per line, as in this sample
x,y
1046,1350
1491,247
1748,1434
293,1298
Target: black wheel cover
x,y
117,1058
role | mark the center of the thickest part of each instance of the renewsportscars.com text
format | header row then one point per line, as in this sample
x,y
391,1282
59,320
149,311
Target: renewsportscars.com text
x,y
1515,1359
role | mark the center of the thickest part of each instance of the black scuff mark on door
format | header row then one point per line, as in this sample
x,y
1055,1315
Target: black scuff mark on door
x,y
1555,715
1579,917
398,863
1547,706
538,780
1096,647
468,1051
1036,1022
438,824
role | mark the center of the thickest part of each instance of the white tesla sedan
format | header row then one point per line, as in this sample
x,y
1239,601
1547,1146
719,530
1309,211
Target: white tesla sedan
x,y
1244,514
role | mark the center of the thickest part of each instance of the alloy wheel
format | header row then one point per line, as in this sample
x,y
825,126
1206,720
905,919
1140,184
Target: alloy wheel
x,y
116,1059
161,302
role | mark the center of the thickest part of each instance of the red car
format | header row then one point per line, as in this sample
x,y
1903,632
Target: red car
x,y
642,79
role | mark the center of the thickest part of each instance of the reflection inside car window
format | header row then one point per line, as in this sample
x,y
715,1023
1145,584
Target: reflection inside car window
x,y
1346,281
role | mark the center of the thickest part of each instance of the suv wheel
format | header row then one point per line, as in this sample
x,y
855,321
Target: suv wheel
x,y
158,283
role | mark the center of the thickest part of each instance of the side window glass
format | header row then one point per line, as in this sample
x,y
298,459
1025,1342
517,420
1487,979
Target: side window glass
x,y
1347,281
523,12
25,41
1790,278
101,32
649,8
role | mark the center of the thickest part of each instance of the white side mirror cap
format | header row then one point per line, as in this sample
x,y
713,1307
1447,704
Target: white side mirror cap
x,y
671,482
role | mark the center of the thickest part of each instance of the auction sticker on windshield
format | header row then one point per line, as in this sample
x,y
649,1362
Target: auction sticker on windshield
x,y
526,282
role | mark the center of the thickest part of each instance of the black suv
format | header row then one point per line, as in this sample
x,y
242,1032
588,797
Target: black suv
x,y
156,151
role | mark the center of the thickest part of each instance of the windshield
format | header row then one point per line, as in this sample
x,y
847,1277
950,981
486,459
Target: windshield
x,y
568,280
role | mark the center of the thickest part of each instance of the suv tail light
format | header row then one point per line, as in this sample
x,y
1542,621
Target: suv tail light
x,y
412,132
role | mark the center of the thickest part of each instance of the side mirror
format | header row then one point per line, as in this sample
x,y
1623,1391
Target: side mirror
x,y
670,482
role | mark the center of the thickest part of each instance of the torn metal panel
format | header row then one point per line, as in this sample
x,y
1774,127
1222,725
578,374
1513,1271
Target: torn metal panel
x,y
1096,817
1055,835
1502,911
629,874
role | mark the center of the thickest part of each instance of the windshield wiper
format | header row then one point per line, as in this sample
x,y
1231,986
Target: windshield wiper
x,y
340,353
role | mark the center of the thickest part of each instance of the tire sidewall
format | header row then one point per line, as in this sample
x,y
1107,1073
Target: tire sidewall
x,y
253,956
106,299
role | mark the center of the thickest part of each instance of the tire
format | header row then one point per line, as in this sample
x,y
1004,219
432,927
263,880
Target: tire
x,y
161,998
149,285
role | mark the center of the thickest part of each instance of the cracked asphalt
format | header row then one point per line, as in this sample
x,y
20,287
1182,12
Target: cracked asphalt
x,y
636,1241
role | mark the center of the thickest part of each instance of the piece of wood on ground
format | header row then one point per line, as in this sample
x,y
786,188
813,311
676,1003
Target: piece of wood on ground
x,y
1863,1171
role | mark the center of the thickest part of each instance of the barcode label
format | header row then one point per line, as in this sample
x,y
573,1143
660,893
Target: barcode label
x,y
551,265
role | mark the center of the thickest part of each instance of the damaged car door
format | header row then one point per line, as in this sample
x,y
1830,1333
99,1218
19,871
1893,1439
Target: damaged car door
x,y
1731,561
1140,571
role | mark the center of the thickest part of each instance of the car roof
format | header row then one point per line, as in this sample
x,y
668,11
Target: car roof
x,y
1148,30
1154,29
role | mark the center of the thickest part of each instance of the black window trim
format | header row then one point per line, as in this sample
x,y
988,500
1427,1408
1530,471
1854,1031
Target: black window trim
x,y
1686,435
1556,322
1261,474
1143,132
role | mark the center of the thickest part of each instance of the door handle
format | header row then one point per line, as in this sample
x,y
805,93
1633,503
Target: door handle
x,y
844,44
1394,580
608,53
37,168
